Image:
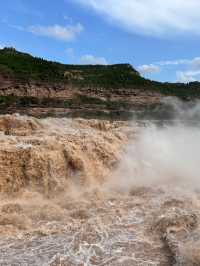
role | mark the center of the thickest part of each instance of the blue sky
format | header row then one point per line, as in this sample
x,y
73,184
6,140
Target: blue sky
x,y
160,39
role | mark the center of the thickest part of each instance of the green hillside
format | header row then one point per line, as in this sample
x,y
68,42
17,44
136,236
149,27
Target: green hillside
x,y
23,67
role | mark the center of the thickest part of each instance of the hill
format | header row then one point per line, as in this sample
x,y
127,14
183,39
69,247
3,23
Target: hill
x,y
28,82
24,67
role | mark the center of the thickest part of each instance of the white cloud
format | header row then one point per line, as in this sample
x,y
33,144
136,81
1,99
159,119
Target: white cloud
x,y
174,62
92,60
188,76
195,63
193,72
148,69
150,17
87,59
67,33
190,72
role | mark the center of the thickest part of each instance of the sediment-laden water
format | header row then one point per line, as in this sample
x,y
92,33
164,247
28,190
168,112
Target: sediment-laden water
x,y
79,192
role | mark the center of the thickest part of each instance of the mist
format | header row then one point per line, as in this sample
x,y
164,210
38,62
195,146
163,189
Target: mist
x,y
166,154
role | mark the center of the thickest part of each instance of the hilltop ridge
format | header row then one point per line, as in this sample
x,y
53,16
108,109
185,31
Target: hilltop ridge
x,y
35,86
24,67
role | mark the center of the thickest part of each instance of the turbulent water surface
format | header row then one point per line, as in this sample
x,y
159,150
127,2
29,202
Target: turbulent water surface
x,y
98,193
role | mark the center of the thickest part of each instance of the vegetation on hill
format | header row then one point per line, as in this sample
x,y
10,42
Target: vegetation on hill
x,y
23,67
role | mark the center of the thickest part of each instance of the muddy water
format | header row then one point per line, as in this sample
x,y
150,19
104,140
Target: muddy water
x,y
102,216
145,227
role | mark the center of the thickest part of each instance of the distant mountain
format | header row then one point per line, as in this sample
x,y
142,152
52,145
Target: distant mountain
x,y
24,67
30,82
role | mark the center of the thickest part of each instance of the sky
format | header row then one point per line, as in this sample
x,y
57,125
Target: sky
x,y
159,38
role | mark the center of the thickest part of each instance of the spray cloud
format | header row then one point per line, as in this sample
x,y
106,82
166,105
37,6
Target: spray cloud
x,y
167,154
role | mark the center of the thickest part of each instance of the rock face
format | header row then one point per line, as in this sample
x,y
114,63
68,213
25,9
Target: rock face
x,y
64,100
